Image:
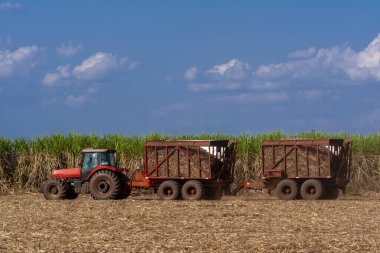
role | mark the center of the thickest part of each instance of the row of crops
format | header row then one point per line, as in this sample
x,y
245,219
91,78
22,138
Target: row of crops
x,y
24,163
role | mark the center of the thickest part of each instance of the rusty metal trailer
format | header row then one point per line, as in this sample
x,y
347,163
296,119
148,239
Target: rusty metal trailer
x,y
192,170
307,169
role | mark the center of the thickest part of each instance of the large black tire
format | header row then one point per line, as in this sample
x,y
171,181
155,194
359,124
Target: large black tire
x,y
193,190
331,192
287,189
105,184
214,193
311,189
54,189
168,190
125,187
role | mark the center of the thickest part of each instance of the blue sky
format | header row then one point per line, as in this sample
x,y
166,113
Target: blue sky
x,y
189,67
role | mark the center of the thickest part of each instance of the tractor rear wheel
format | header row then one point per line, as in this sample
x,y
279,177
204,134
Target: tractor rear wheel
x,y
54,189
105,184
168,190
312,189
125,187
193,190
287,189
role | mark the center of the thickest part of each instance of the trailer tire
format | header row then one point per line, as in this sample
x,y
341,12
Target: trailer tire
x,y
105,184
54,189
193,190
331,192
312,189
169,190
287,189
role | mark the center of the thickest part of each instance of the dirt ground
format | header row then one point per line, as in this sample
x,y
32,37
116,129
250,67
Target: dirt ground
x,y
29,223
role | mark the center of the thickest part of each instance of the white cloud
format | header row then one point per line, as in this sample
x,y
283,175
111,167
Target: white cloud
x,y
228,76
270,97
191,73
68,50
307,53
77,100
325,63
340,62
232,70
8,6
21,60
94,68
62,72
97,66
214,86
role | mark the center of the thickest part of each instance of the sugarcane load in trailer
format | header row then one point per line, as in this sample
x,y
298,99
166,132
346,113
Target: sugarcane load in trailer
x,y
307,169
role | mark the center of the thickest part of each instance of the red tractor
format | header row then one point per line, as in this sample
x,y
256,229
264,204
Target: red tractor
x,y
97,175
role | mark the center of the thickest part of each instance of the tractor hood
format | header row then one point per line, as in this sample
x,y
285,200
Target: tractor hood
x,y
66,173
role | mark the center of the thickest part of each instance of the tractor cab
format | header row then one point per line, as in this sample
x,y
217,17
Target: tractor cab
x,y
92,158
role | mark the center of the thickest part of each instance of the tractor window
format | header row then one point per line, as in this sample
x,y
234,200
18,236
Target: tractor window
x,y
107,159
89,162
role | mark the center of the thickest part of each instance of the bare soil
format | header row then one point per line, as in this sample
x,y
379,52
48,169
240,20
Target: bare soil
x,y
258,223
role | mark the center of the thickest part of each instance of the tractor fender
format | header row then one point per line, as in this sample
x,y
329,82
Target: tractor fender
x,y
103,167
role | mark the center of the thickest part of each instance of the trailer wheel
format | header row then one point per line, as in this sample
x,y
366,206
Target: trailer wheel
x,y
54,189
311,189
287,189
168,190
192,190
331,192
105,184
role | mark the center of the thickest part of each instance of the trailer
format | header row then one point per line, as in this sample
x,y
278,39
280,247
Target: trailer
x,y
307,169
187,169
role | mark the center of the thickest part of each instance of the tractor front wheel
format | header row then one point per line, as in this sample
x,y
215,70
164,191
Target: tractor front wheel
x,y
54,189
105,184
